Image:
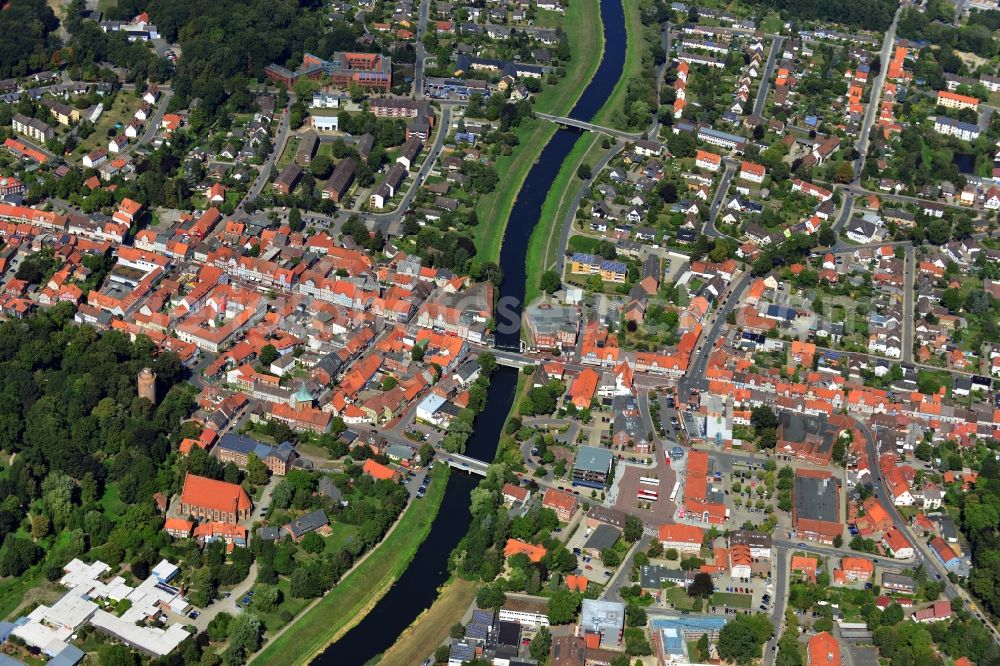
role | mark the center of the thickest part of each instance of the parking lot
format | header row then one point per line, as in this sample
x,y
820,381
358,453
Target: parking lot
x,y
590,567
652,512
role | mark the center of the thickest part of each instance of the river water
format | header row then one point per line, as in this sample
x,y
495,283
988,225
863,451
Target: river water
x,y
417,588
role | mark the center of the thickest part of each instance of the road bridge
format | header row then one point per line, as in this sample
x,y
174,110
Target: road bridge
x,y
464,463
591,127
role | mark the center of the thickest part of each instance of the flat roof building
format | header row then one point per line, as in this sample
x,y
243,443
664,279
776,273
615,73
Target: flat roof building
x,y
605,619
592,467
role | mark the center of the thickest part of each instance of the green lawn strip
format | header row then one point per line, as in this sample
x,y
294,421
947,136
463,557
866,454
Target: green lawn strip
x,y
350,600
634,47
586,38
553,213
679,598
731,599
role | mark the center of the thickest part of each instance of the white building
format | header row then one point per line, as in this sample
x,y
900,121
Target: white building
x,y
326,123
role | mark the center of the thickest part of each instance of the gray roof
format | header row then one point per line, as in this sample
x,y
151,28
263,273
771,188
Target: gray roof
x,y
603,537
816,498
307,523
247,445
327,487
898,579
592,459
601,616
652,576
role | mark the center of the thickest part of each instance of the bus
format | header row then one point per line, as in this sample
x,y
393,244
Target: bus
x,y
673,493
649,480
648,495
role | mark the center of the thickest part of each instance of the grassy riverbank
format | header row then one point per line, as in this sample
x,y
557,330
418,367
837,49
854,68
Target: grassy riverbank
x,y
431,628
545,243
586,41
347,603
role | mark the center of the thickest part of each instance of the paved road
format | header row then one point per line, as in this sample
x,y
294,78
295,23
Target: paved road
x,y
153,123
418,67
718,200
876,94
931,564
909,269
567,226
758,106
695,377
780,601
265,168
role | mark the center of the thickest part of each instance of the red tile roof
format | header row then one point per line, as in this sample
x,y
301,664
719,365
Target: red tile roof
x,y
208,493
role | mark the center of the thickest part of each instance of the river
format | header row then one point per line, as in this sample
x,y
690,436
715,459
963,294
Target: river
x,y
417,588
528,207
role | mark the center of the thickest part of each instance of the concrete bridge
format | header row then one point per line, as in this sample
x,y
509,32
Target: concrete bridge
x,y
464,463
591,127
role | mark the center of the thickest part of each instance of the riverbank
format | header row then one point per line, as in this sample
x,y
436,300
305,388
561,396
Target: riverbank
x,y
586,41
545,244
329,617
432,626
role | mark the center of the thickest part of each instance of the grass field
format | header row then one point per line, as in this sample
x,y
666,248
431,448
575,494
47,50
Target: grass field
x,y
346,604
679,598
586,39
118,112
731,600
431,628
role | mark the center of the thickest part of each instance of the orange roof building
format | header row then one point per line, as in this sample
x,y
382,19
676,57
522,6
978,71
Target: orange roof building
x,y
823,650
805,565
379,472
583,388
684,538
214,500
518,547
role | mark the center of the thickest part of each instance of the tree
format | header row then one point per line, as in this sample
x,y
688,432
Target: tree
x,y
635,615
295,221
838,541
763,417
702,586
541,644
313,543
584,172
491,596
266,598
703,648
633,529
743,637
268,353
117,655
636,643
563,606
320,166
245,633
610,557
256,470
550,282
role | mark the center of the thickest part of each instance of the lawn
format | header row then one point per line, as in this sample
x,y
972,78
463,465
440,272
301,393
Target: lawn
x,y
431,628
347,603
340,534
771,23
679,598
273,621
119,111
113,506
291,147
731,600
586,40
